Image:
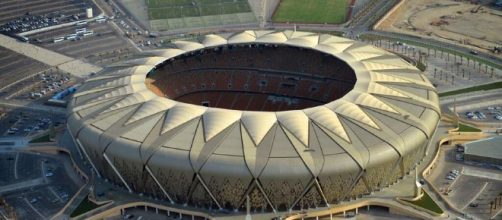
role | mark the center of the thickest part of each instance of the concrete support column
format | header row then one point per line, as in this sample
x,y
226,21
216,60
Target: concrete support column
x,y
168,213
330,216
146,208
156,211
357,211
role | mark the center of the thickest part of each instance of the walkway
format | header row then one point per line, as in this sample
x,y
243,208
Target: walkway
x,y
21,104
482,174
22,185
73,66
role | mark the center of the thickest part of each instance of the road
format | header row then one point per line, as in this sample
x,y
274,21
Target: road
x,y
482,174
67,64
18,104
434,43
368,17
22,185
465,101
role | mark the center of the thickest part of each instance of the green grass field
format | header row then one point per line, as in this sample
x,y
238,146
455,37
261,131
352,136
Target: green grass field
x,y
467,128
41,139
426,202
312,11
84,206
166,9
486,87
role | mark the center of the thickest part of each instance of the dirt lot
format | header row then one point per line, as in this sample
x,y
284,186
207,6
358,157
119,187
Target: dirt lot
x,y
478,26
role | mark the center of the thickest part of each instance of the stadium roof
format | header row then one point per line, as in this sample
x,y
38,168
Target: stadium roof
x,y
396,94
489,147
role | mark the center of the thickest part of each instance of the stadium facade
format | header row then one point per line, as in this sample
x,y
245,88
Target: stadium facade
x,y
318,150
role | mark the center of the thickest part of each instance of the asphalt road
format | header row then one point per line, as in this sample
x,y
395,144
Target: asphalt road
x,y
26,105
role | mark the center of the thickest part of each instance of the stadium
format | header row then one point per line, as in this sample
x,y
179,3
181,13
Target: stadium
x,y
282,119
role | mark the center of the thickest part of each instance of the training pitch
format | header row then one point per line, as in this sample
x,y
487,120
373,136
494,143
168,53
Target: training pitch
x,y
176,14
309,11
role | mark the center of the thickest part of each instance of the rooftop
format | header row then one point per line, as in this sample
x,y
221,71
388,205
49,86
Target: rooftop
x,y
489,147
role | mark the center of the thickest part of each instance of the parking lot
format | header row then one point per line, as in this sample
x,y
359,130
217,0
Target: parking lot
x,y
440,175
21,124
7,161
40,87
491,113
44,86
480,205
25,15
465,191
36,185
103,46
14,66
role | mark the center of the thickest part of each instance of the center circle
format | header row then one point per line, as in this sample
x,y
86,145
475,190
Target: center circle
x,y
256,77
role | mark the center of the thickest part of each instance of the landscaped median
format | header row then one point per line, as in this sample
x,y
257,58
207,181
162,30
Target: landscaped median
x,y
423,203
84,206
41,139
87,205
467,128
485,87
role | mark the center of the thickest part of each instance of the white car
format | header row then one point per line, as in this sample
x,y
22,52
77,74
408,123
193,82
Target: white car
x,y
49,174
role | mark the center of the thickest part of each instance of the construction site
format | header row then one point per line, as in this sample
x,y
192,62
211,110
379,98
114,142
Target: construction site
x,y
475,23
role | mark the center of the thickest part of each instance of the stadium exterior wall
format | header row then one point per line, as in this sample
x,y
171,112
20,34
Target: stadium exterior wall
x,y
208,157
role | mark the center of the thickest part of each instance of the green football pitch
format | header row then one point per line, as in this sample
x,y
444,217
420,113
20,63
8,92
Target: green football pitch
x,y
166,9
312,11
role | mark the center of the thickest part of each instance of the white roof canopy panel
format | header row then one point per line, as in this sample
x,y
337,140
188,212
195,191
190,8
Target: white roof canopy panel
x,y
200,134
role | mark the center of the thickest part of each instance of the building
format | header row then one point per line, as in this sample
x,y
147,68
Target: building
x,y
498,3
487,150
287,119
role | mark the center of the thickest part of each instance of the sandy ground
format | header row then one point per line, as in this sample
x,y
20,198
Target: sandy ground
x,y
459,22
